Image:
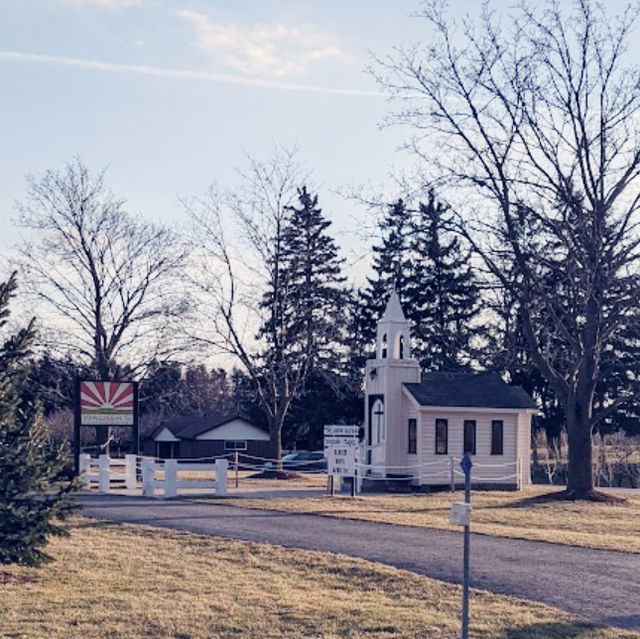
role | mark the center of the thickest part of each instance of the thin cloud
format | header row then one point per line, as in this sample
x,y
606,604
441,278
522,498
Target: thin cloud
x,y
277,49
178,74
107,4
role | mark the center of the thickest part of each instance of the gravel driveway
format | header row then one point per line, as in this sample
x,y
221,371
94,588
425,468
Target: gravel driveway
x,y
598,585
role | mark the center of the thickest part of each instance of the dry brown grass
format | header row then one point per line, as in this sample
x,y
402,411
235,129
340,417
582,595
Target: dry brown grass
x,y
250,479
135,582
508,514
296,481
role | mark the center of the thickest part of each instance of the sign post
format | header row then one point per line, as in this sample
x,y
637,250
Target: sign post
x,y
465,507
342,449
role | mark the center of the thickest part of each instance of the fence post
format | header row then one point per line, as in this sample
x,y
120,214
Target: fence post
x,y
519,480
148,479
84,466
236,462
221,477
451,474
170,478
130,471
103,474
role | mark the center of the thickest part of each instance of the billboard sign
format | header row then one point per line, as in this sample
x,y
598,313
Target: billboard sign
x,y
107,404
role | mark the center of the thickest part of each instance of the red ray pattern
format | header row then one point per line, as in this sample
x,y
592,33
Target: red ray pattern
x,y
116,395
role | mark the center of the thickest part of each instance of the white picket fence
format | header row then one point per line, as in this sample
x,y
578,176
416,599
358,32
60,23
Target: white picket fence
x,y
103,470
170,483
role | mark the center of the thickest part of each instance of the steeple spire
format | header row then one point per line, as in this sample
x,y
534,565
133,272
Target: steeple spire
x,y
393,311
393,331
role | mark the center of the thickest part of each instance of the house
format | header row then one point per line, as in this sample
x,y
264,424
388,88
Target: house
x,y
418,427
206,436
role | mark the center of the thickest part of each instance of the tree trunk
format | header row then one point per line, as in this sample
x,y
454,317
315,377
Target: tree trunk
x,y
580,475
275,432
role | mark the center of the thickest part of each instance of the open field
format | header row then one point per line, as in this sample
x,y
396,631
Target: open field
x,y
509,514
116,580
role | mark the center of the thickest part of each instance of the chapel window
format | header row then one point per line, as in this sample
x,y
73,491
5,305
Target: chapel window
x,y
469,436
441,436
412,425
497,437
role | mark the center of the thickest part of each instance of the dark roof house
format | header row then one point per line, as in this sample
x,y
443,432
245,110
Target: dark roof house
x,y
206,435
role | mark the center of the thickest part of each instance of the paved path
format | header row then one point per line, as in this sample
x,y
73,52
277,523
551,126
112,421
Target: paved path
x,y
601,586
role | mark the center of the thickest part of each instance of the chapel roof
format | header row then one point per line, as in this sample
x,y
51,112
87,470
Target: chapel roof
x,y
473,390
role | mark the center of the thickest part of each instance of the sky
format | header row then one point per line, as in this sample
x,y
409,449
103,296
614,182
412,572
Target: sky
x,y
171,96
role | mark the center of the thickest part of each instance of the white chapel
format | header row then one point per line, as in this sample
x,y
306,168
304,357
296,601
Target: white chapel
x,y
418,427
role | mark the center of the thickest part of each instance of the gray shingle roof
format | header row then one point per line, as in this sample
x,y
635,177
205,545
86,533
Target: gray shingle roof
x,y
473,390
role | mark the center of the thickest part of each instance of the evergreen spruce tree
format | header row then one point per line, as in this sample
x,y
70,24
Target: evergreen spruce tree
x,y
35,490
316,315
316,311
305,306
443,298
391,267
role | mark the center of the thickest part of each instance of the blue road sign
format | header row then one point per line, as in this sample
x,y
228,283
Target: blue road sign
x,y
466,464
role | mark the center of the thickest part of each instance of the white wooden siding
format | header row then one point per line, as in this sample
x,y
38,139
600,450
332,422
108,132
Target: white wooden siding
x,y
499,469
165,435
524,446
236,429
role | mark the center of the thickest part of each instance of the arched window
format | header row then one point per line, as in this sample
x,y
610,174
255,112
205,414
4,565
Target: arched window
x,y
401,347
377,420
383,348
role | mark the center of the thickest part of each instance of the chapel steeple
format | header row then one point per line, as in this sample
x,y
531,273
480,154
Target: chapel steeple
x,y
394,336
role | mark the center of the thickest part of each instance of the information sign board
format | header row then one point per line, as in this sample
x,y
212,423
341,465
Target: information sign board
x,y
341,449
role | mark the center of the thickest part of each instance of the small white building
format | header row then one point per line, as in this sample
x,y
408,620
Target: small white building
x,y
420,426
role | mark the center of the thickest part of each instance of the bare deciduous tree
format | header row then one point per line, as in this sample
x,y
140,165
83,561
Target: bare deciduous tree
x,y
106,279
532,129
238,251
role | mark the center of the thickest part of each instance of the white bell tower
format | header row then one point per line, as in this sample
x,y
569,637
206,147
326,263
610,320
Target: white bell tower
x,y
385,428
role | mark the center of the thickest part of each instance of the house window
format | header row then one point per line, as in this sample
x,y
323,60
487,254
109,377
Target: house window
x,y
401,347
497,437
384,347
413,436
441,436
469,436
235,444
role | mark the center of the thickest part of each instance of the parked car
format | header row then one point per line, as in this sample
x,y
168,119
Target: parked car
x,y
301,460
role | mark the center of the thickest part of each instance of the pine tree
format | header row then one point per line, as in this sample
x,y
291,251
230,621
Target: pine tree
x,y
34,488
315,313
442,292
391,267
308,311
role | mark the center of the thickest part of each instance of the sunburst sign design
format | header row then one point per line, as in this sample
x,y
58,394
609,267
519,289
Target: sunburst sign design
x,y
106,403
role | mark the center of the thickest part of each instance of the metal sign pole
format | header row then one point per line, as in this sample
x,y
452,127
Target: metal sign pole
x,y
466,467
76,427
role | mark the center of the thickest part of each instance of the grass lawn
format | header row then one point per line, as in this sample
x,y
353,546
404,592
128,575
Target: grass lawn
x,y
510,514
135,582
251,479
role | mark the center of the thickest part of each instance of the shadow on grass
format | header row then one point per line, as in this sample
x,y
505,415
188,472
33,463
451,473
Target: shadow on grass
x,y
561,496
550,630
